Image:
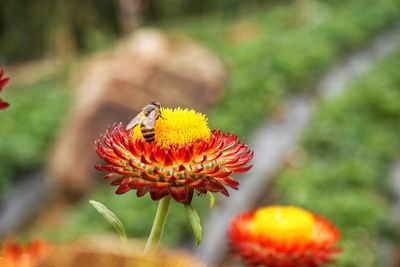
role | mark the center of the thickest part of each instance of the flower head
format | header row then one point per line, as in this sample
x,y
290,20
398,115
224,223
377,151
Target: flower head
x,y
185,157
279,236
3,83
16,255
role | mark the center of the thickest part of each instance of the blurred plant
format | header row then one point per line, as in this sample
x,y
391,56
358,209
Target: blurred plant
x,y
97,250
186,156
106,251
279,236
3,83
17,255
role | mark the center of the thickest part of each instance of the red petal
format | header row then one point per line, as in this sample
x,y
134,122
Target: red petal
x,y
118,181
156,195
168,158
111,175
153,157
158,186
242,169
135,165
144,160
3,105
222,174
211,170
198,183
201,160
197,170
107,168
181,168
188,153
157,171
148,176
172,179
229,181
120,152
214,186
123,188
142,191
180,193
3,83
185,181
136,183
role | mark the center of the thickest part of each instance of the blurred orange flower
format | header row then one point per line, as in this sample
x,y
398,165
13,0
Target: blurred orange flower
x,y
16,255
279,236
3,83
185,157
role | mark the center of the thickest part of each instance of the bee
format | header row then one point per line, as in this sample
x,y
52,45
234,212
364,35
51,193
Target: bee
x,y
147,119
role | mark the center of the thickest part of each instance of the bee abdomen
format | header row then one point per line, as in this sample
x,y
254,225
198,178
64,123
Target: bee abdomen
x,y
149,137
148,134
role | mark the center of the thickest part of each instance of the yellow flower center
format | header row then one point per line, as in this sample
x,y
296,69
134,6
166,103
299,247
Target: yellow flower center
x,y
284,224
178,126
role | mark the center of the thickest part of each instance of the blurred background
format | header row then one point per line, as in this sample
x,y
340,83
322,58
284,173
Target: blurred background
x,y
312,85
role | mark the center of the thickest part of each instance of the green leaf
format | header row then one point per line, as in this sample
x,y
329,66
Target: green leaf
x,y
212,199
111,218
194,220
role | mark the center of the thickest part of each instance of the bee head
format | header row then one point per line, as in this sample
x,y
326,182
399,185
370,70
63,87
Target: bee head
x,y
155,103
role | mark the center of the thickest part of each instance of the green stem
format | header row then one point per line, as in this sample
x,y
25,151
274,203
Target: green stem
x,y
158,224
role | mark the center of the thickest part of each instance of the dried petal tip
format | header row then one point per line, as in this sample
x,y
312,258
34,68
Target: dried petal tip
x,y
279,236
185,157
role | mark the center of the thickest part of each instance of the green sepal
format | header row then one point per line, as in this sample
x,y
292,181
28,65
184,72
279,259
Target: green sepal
x,y
194,220
111,218
212,199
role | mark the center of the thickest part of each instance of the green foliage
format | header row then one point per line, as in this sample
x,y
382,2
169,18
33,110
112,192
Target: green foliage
x,y
27,31
29,125
286,53
350,146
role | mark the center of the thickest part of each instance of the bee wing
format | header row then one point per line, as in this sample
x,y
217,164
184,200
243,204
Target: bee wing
x,y
135,121
150,120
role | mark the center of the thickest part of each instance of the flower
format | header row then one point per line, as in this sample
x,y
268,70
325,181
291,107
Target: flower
x,y
279,236
185,157
16,255
3,83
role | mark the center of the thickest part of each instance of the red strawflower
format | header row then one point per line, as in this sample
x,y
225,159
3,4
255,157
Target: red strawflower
x,y
283,237
3,83
185,157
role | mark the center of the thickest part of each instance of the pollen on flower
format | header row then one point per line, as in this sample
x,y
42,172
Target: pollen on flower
x,y
284,224
178,127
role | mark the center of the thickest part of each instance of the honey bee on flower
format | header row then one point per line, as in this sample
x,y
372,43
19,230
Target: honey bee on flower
x,y
147,119
185,156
